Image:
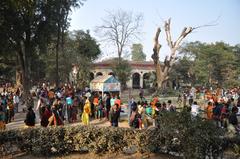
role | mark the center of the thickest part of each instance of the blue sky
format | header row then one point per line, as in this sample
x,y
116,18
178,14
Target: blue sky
x,y
183,13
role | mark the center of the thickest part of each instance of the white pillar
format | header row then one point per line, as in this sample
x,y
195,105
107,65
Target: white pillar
x,y
141,80
129,82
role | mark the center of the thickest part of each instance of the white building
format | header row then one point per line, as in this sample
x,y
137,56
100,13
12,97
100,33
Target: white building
x,y
140,72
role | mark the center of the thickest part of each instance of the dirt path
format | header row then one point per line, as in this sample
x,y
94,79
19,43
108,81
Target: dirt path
x,y
103,156
20,117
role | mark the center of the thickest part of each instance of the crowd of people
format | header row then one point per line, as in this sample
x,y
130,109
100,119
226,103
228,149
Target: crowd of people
x,y
55,107
222,106
60,106
9,104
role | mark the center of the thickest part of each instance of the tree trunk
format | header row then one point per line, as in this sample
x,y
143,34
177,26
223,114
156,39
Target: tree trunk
x,y
163,70
64,75
19,74
22,60
57,54
160,77
155,57
19,81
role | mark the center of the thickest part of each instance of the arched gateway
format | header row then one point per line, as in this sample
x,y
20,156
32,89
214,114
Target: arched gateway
x,y
136,80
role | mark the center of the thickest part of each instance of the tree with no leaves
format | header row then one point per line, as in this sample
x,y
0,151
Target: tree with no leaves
x,y
119,28
163,70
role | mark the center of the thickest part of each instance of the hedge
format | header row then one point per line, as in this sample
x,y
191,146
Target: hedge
x,y
62,140
176,133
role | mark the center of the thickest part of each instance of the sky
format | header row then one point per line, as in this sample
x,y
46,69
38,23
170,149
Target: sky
x,y
184,13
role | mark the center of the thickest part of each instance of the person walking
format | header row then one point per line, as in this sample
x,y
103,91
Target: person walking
x,y
195,109
69,102
209,110
86,112
108,106
135,119
30,118
115,113
16,102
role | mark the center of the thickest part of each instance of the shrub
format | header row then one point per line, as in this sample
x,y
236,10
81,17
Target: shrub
x,y
176,133
193,137
62,140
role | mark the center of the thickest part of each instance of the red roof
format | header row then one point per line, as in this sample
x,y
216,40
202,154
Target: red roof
x,y
134,64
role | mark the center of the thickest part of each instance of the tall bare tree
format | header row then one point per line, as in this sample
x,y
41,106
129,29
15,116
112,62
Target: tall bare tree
x,y
163,70
120,28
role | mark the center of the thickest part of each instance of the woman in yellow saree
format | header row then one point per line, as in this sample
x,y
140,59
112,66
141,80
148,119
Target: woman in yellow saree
x,y
86,112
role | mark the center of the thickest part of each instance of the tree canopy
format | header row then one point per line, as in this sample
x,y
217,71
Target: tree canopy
x,y
26,29
137,53
215,64
122,71
79,49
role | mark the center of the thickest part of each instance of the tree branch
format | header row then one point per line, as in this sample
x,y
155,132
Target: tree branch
x,y
119,28
168,33
156,47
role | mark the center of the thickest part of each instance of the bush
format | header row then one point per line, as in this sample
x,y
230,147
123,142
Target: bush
x,y
192,137
176,133
62,140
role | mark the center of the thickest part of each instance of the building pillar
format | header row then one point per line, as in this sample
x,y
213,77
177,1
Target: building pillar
x,y
129,82
141,80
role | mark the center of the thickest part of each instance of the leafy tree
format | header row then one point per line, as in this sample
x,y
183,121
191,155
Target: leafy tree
x,y
63,8
212,64
137,53
182,70
236,50
87,50
7,64
81,50
119,28
28,26
122,71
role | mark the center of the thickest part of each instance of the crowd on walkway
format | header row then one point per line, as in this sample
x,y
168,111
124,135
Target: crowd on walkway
x,y
222,106
67,105
56,107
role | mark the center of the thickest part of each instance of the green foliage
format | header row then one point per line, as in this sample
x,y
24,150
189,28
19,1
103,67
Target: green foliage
x,y
122,70
182,70
86,51
213,64
6,72
192,137
26,30
63,140
137,53
80,49
86,45
175,133
236,150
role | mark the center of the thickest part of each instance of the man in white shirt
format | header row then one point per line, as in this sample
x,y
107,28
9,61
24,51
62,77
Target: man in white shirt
x,y
195,109
16,102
